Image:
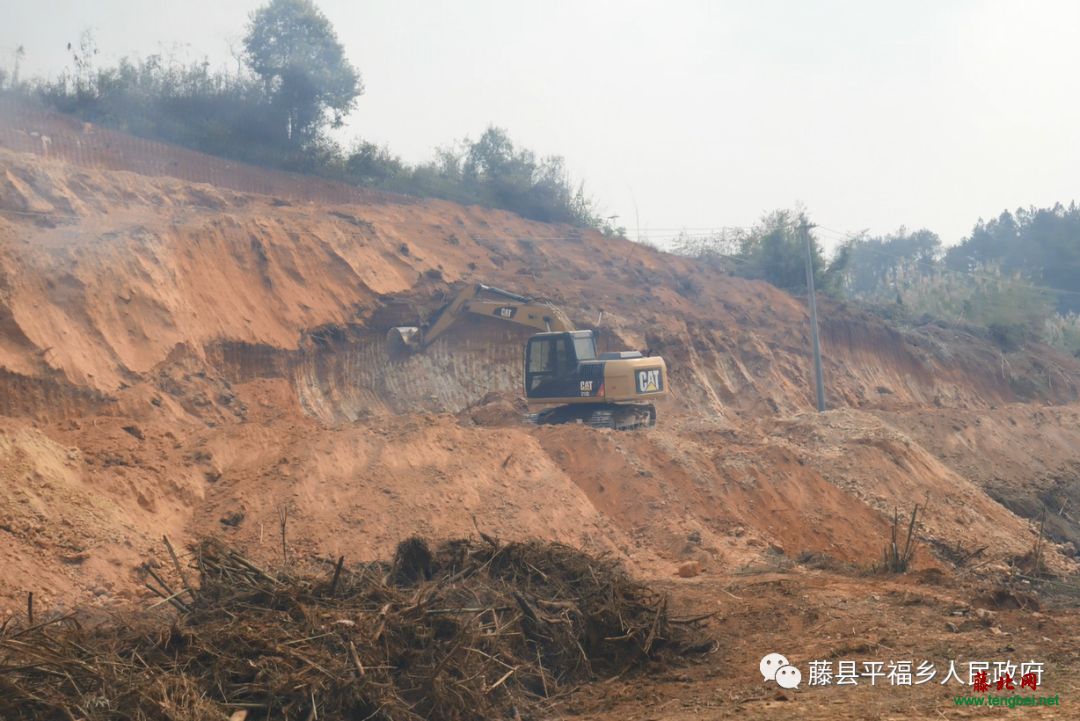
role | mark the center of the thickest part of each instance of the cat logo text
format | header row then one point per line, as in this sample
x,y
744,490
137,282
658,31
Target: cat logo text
x,y
649,381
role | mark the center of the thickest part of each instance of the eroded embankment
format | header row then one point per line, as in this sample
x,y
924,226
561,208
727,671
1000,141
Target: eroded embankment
x,y
116,272
176,357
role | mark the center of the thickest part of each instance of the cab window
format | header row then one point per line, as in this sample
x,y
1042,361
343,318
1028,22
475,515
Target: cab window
x,y
541,359
552,356
585,348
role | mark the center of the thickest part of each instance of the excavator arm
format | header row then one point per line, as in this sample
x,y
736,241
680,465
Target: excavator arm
x,y
483,300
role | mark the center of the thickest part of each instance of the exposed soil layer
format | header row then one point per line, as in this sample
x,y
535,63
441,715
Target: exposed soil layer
x,y
187,359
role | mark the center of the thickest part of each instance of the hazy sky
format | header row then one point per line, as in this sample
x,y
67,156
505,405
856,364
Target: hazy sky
x,y
688,114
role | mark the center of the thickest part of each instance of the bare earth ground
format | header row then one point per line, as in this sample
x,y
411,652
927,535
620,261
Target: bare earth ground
x,y
187,358
819,615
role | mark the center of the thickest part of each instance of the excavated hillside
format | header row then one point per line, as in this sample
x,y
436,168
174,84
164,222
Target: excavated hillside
x,y
183,358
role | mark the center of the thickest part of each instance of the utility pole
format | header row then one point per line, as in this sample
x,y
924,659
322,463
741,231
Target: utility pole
x,y
819,381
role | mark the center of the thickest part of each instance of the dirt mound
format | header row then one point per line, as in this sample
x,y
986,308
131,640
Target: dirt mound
x,y
1020,455
888,470
467,630
496,409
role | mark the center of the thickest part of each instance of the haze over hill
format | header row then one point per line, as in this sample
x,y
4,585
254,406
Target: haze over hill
x,y
694,115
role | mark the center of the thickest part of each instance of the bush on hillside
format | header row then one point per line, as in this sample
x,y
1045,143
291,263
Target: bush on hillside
x,y
276,113
774,250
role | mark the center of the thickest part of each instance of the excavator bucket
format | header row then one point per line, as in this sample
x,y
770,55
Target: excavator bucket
x,y
403,339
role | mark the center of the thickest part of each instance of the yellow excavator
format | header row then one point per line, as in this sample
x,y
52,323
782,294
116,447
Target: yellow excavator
x,y
566,380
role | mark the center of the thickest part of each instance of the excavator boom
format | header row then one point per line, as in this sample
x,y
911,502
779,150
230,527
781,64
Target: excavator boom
x,y
483,300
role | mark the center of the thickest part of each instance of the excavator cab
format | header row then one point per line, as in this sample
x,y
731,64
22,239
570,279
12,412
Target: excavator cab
x,y
567,380
556,365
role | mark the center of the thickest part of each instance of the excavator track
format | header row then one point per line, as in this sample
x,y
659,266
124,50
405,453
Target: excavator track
x,y
617,417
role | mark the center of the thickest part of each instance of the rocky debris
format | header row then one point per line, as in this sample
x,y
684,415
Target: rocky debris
x,y
689,569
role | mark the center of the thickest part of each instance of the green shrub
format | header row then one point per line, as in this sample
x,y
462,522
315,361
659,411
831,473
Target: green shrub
x,y
1063,332
774,250
275,112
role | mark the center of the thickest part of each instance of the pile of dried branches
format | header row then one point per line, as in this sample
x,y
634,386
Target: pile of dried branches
x,y
467,630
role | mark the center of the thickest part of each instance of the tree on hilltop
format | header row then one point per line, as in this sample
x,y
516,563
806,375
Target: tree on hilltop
x,y
294,50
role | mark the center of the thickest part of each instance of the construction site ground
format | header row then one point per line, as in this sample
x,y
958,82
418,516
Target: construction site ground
x,y
187,359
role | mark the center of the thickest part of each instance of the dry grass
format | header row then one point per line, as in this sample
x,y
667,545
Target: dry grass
x,y
467,630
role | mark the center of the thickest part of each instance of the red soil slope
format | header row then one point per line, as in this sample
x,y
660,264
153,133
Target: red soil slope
x,y
182,358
